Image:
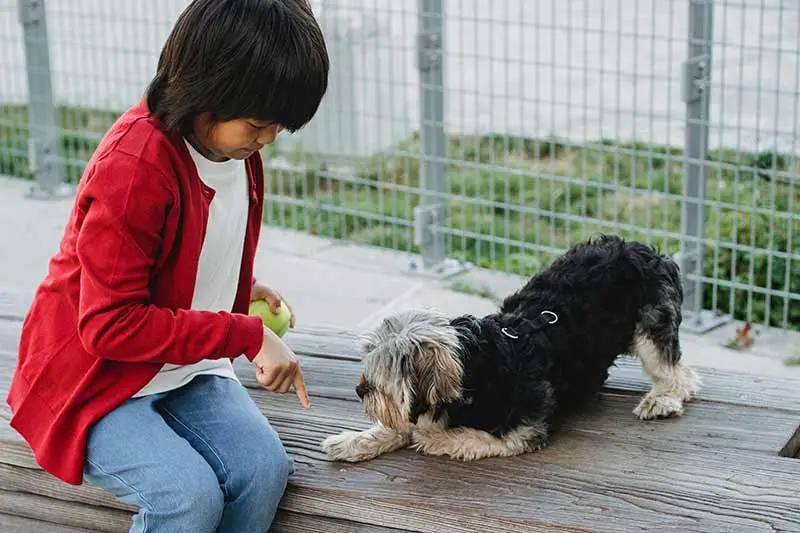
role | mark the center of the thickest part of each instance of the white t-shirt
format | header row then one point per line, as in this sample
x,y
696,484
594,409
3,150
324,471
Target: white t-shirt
x,y
219,265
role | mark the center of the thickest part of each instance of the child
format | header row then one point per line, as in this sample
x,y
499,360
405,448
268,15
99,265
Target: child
x,y
124,378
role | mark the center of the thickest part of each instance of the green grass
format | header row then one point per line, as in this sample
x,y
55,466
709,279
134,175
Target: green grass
x,y
514,203
80,131
548,194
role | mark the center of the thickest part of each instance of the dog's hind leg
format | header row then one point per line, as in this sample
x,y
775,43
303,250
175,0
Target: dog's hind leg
x,y
657,345
355,446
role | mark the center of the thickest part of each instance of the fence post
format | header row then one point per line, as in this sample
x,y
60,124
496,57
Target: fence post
x,y
431,214
696,94
43,140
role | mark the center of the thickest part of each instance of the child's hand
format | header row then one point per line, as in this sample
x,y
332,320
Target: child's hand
x,y
277,368
273,298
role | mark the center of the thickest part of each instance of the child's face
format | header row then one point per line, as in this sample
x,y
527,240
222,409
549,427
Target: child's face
x,y
234,139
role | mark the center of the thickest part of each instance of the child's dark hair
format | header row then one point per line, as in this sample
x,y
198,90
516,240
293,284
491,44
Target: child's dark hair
x,y
260,59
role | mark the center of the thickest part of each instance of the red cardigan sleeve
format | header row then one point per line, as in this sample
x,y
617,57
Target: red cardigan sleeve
x,y
126,207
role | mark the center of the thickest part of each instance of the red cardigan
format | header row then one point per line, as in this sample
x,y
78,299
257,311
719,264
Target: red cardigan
x,y
114,305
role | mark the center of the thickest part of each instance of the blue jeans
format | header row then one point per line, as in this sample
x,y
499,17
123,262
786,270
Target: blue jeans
x,y
201,458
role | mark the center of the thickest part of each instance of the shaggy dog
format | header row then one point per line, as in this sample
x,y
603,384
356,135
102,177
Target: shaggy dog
x,y
501,385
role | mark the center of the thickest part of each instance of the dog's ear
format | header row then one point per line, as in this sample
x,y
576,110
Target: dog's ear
x,y
439,374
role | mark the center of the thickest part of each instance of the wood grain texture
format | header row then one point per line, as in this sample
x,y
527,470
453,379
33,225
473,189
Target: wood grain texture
x,y
15,452
288,522
337,344
36,481
705,426
635,484
18,524
717,385
625,488
717,469
616,471
63,512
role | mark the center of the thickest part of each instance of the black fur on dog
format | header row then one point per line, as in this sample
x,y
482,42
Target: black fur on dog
x,y
604,292
501,384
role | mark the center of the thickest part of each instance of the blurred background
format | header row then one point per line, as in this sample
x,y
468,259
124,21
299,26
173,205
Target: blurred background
x,y
466,137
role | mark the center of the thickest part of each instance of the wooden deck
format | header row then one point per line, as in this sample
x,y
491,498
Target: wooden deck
x,y
726,466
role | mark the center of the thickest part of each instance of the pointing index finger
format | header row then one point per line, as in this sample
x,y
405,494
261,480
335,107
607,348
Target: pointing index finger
x,y
300,389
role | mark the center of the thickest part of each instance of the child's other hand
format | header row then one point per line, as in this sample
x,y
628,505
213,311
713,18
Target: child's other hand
x,y
273,298
277,368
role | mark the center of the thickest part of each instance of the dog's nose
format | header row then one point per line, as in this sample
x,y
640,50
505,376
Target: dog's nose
x,y
361,390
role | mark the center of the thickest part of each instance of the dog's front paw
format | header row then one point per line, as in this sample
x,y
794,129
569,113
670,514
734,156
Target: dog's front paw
x,y
346,446
654,407
355,446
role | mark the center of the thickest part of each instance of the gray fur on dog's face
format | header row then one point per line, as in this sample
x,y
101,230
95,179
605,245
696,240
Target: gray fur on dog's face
x,y
411,356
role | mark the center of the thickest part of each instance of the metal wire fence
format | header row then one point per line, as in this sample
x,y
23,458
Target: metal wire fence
x,y
496,133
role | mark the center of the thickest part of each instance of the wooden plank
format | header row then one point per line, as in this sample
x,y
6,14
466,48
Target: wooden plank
x,y
569,486
584,482
288,522
717,385
722,386
389,512
70,514
9,342
335,378
337,343
618,475
302,431
15,451
18,524
36,481
705,426
716,469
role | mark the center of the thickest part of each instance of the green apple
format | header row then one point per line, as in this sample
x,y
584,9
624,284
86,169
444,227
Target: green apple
x,y
278,323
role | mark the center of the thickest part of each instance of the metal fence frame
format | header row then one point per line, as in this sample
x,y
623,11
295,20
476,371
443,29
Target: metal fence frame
x,y
430,216
43,146
696,74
